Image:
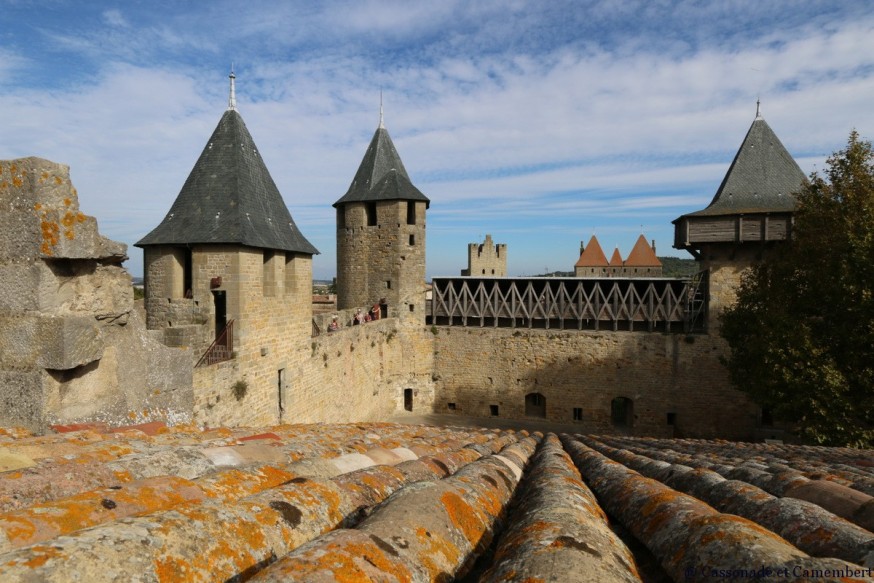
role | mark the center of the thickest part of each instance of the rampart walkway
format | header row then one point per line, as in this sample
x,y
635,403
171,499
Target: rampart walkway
x,y
642,304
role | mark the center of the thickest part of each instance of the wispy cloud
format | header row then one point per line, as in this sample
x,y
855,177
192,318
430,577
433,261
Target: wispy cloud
x,y
537,122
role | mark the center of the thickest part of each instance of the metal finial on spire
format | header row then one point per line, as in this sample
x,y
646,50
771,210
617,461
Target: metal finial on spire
x,y
758,111
232,100
381,122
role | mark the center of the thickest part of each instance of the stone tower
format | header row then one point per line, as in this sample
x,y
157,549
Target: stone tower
x,y
381,235
228,272
751,211
486,259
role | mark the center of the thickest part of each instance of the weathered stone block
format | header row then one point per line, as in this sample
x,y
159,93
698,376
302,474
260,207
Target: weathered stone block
x,y
69,342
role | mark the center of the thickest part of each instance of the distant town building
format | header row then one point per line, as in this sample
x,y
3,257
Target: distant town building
x,y
641,262
486,258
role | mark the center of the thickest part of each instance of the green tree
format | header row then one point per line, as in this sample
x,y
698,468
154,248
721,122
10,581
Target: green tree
x,y
802,331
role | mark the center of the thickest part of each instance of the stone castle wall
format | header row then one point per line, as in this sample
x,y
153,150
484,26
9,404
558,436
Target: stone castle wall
x,y
356,374
479,368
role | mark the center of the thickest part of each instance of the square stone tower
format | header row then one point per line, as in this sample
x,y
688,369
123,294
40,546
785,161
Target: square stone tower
x,y
229,274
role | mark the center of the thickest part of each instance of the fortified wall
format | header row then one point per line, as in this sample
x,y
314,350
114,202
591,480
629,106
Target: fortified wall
x,y
231,337
640,383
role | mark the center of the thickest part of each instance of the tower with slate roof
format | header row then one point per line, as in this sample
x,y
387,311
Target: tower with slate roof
x,y
381,235
228,273
750,213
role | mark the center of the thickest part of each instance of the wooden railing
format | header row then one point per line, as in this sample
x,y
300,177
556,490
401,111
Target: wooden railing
x,y
221,349
651,304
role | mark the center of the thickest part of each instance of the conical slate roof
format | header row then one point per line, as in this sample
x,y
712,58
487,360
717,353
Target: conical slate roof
x,y
381,175
762,177
642,255
592,255
229,197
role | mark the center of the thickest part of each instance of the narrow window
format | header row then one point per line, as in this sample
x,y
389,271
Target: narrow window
x,y
388,284
412,308
411,212
672,418
493,410
268,279
450,406
370,208
408,399
280,385
578,413
412,240
188,274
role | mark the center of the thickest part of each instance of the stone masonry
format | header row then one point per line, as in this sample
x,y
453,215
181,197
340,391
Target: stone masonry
x,y
71,345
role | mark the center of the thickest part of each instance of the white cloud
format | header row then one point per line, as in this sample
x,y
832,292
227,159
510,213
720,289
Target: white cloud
x,y
495,118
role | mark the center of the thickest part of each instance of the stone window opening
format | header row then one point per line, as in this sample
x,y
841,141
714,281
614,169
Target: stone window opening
x,y
268,277
370,209
411,212
535,405
450,406
493,410
408,399
622,412
672,418
578,413
412,240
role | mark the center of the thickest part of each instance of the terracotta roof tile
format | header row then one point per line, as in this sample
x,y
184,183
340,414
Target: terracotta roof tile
x,y
592,255
642,255
379,500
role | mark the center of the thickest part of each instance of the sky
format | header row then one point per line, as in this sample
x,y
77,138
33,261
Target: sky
x,y
540,123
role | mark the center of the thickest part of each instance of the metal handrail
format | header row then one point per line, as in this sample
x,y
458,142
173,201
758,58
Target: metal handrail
x,y
221,349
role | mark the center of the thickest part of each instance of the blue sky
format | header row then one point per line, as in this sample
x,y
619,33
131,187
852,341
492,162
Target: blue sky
x,y
538,122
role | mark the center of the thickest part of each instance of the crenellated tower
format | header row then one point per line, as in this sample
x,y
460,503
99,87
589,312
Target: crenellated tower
x,y
381,235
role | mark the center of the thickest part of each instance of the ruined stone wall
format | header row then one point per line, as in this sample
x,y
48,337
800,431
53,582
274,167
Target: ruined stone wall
x,y
486,259
477,368
72,348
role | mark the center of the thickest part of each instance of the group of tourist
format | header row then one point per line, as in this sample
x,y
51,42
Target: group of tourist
x,y
374,313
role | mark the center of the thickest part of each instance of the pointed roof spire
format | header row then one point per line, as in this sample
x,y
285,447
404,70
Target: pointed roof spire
x,y
762,177
232,99
381,120
381,175
642,255
592,255
230,197
758,108
616,258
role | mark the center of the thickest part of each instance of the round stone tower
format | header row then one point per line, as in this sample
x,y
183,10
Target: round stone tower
x,y
381,235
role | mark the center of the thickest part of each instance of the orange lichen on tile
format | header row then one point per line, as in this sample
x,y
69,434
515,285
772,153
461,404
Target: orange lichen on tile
x,y
233,484
45,521
462,515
